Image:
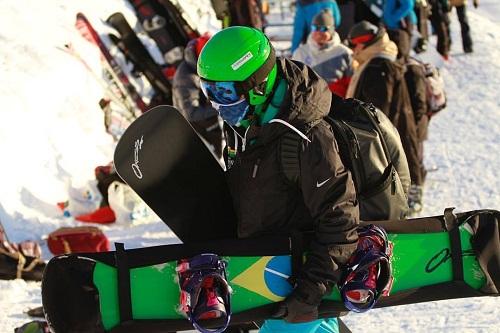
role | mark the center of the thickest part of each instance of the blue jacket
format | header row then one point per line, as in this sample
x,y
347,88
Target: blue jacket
x,y
397,10
304,14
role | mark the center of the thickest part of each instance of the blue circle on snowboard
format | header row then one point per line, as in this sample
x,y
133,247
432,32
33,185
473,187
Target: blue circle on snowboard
x,y
277,270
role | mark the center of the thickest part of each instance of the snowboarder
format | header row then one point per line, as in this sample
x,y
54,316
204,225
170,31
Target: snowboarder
x,y
326,54
262,99
305,11
189,99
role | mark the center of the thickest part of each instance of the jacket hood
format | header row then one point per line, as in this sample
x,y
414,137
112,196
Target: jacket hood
x,y
307,99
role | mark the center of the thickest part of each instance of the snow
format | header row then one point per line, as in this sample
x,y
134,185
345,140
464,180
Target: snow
x,y
52,133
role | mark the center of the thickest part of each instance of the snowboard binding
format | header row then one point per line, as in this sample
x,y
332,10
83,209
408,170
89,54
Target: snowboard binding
x,y
369,270
205,293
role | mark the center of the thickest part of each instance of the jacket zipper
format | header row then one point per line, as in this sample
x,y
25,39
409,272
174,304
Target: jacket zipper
x,y
255,168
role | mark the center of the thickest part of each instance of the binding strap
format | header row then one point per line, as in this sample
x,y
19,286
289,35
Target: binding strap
x,y
452,226
297,251
123,275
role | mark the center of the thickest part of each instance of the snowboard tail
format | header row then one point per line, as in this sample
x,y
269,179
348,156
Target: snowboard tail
x,y
165,162
434,258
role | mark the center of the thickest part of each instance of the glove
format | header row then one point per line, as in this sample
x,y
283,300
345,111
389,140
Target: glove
x,y
475,3
294,310
302,304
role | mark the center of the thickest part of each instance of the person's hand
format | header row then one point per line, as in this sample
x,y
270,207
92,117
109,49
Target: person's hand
x,y
475,3
294,310
302,304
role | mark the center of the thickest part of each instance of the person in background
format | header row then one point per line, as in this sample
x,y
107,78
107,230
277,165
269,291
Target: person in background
x,y
246,12
325,53
189,99
461,8
347,13
422,10
363,12
380,79
440,22
305,10
400,19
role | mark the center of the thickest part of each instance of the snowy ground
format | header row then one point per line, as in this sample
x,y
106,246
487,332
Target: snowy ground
x,y
51,132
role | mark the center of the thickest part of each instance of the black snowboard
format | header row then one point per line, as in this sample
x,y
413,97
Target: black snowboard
x,y
165,162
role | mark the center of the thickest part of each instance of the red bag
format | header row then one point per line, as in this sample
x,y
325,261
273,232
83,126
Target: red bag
x,y
77,239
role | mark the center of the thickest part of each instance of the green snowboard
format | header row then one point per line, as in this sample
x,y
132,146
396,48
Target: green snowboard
x,y
434,258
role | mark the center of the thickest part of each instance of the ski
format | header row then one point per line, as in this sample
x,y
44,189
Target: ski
x,y
88,32
134,49
119,112
173,10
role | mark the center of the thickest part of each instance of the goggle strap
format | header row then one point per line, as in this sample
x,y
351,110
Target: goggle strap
x,y
260,74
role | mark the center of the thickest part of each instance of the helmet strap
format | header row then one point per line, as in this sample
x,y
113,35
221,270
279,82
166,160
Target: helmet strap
x,y
259,75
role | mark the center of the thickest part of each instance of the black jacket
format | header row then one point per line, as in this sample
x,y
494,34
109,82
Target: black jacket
x,y
382,83
323,202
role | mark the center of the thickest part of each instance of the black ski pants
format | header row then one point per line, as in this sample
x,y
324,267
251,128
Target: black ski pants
x,y
441,25
464,27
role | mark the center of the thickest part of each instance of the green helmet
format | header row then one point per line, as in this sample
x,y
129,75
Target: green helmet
x,y
243,55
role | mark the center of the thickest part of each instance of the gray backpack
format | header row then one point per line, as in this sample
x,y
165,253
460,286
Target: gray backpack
x,y
370,147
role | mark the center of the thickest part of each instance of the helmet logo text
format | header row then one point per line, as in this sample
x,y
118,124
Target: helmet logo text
x,y
241,61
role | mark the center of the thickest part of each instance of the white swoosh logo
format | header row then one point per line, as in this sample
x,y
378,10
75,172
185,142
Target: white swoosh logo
x,y
323,182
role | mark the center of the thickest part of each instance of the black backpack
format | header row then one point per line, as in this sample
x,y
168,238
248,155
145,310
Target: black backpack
x,y
370,147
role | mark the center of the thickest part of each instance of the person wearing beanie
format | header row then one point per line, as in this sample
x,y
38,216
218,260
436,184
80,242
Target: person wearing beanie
x,y
305,11
326,54
189,99
379,79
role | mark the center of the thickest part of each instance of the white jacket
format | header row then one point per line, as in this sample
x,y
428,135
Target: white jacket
x,y
332,61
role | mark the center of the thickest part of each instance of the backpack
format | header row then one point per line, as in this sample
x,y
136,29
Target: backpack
x,y
434,84
371,149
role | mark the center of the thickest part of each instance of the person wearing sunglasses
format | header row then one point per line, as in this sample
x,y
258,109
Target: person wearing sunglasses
x,y
264,100
326,54
305,10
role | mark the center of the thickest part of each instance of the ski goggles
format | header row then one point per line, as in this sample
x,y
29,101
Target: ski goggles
x,y
222,92
320,28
